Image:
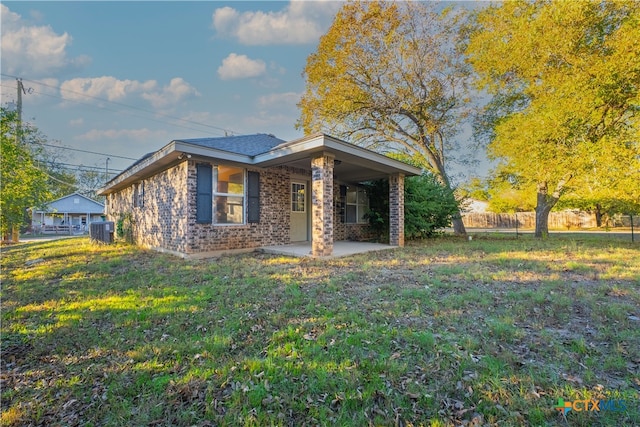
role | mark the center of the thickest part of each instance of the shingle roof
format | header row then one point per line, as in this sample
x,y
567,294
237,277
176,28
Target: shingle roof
x,y
146,156
248,145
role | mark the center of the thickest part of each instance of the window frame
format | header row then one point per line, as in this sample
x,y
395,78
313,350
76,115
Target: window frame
x,y
215,193
138,194
297,201
361,208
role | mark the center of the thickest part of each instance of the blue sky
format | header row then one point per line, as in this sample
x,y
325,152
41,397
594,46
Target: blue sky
x,y
125,78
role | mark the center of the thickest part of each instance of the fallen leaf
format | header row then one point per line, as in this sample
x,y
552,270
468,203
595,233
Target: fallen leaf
x,y
572,378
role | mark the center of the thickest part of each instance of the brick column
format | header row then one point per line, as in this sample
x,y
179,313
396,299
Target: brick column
x,y
322,205
396,209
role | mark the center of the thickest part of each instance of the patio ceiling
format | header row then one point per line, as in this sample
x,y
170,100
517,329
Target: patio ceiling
x,y
353,163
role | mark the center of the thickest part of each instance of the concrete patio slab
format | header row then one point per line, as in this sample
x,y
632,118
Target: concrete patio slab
x,y
340,249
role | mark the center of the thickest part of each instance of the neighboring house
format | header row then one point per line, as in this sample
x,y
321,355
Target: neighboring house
x,y
475,206
66,215
196,196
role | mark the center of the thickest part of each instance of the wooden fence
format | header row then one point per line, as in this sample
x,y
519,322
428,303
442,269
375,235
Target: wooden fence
x,y
566,220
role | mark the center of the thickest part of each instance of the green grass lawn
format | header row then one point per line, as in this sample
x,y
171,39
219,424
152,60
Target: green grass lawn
x,y
443,332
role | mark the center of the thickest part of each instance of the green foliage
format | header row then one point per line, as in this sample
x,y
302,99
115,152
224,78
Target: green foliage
x,y
61,182
564,112
476,189
508,194
604,208
428,206
391,76
24,183
611,187
124,227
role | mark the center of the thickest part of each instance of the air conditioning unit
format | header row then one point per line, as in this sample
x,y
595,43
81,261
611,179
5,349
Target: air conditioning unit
x,y
102,231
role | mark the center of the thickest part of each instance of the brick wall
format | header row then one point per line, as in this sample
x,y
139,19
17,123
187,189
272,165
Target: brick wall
x,y
161,221
167,219
396,210
275,212
322,203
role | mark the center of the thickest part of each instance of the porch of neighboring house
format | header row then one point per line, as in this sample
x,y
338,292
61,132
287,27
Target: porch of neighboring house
x,y
62,223
69,215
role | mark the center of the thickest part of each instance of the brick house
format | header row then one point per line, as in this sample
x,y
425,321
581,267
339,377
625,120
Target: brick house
x,y
197,196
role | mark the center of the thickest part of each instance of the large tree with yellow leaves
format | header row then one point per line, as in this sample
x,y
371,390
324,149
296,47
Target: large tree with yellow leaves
x,y
390,76
565,77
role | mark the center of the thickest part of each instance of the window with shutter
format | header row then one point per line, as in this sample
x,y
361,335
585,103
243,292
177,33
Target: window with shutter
x,y
228,195
204,194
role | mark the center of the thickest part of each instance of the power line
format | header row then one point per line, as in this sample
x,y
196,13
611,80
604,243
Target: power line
x,y
82,151
123,105
77,149
53,177
69,166
116,111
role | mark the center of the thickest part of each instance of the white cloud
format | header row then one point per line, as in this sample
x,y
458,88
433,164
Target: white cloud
x,y
32,49
300,22
112,89
280,100
224,19
76,122
104,87
143,134
237,66
176,91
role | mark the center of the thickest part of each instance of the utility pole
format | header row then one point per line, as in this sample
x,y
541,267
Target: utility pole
x,y
21,90
15,231
106,170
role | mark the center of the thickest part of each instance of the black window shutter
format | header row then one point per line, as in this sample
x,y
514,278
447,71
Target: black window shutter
x,y
253,197
204,187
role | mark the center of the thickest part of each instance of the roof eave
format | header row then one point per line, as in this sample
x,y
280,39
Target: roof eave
x,y
321,142
171,153
166,157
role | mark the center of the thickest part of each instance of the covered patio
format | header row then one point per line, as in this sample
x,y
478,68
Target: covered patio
x,y
340,249
330,160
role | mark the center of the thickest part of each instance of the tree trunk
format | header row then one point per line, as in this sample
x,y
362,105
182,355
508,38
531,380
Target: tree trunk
x,y
443,179
458,225
546,202
542,214
598,213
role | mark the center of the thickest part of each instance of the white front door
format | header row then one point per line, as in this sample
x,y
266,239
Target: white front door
x,y
299,212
